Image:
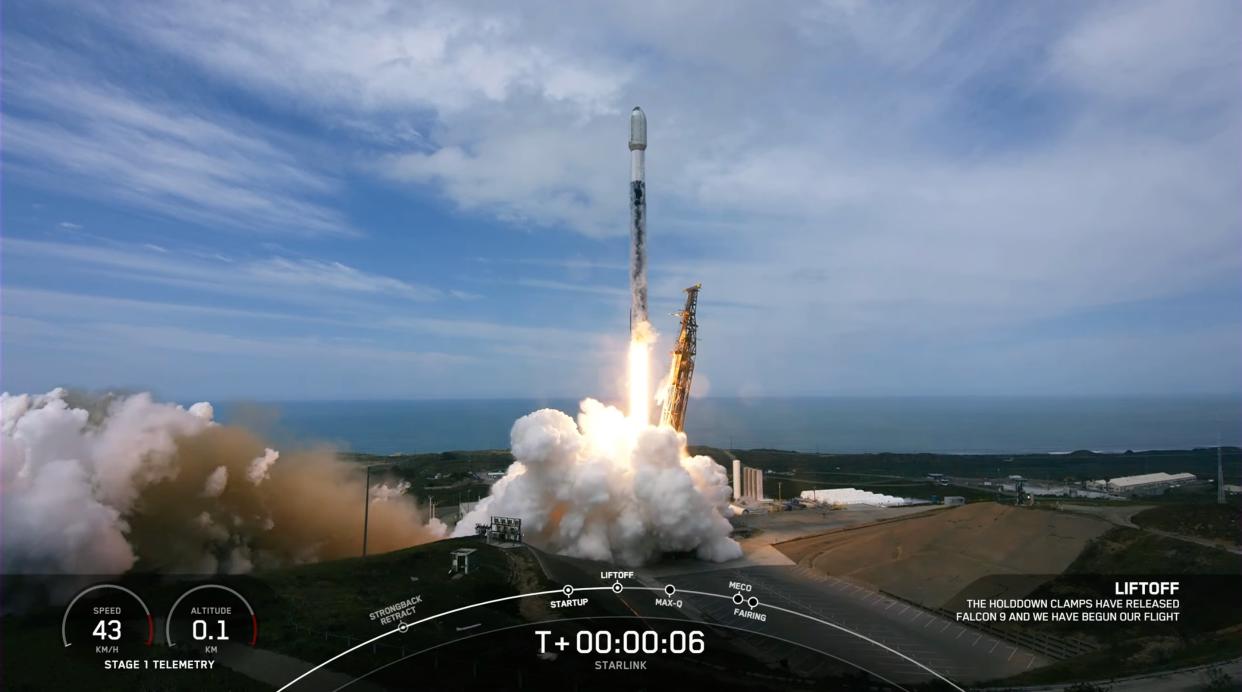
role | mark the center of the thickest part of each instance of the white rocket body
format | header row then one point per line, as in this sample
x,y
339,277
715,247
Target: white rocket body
x,y
638,222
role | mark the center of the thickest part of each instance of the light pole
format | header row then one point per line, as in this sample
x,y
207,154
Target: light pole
x,y
366,505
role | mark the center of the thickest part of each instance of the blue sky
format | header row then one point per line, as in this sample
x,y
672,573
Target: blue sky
x,y
399,200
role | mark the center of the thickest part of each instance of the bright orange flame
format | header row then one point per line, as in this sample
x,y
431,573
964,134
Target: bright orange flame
x,y
640,382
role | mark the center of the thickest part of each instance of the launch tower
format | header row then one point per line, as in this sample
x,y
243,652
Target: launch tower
x,y
682,369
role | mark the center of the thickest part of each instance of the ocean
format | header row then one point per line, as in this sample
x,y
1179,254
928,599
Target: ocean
x,y
964,425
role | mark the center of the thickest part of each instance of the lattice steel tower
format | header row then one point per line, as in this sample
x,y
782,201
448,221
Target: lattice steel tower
x,y
682,369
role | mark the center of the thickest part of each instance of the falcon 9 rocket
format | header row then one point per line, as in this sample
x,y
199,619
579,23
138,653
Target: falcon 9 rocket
x,y
640,329
638,223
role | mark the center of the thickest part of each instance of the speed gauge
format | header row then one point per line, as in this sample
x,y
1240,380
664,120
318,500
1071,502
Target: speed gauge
x,y
107,619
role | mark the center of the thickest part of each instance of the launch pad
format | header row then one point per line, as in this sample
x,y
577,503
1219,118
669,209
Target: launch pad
x,y
502,531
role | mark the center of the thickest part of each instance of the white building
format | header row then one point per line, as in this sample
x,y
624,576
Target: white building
x,y
1143,484
854,496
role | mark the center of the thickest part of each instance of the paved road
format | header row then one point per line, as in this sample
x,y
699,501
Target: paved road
x,y
1124,516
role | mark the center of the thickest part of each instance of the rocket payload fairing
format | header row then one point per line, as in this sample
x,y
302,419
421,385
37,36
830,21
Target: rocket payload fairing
x,y
638,224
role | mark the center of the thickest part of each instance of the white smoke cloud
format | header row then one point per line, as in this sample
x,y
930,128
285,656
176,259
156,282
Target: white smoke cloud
x,y
100,485
257,471
645,332
854,496
382,492
216,482
602,490
203,410
661,390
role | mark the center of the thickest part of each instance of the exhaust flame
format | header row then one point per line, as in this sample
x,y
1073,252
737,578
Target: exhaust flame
x,y
640,376
638,372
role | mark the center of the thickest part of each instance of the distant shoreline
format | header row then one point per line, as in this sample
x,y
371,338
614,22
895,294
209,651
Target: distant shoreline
x,y
899,425
1227,451
788,473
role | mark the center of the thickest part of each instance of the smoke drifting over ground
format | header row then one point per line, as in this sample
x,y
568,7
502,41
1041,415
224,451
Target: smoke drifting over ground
x,y
102,485
608,489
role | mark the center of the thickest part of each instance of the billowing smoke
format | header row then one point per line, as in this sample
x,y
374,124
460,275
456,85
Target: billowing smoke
x,y
103,485
607,489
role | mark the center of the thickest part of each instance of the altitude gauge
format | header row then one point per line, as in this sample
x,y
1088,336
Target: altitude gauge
x,y
209,616
107,619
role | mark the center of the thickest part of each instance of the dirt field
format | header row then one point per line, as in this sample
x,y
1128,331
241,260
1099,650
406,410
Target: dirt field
x,y
783,526
1218,523
929,558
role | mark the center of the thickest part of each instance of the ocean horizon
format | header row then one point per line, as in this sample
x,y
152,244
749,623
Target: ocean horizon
x,y
935,424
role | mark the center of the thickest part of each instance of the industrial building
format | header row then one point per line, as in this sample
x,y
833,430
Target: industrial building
x,y
747,483
1144,484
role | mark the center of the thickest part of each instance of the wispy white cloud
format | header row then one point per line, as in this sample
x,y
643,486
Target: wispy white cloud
x,y
1163,54
867,175
592,288
216,343
381,56
532,336
299,273
26,302
427,356
527,176
574,264
63,124
275,277
69,307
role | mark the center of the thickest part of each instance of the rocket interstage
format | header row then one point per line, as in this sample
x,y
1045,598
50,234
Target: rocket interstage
x,y
638,223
